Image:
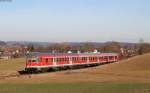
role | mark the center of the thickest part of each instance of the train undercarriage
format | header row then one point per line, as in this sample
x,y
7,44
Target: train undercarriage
x,y
61,68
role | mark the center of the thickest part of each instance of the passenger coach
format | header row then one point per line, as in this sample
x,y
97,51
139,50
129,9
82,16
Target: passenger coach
x,y
47,61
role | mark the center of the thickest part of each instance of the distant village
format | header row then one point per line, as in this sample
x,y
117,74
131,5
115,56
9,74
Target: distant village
x,y
16,50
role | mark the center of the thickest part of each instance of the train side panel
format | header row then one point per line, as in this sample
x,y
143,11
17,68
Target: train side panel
x,y
70,60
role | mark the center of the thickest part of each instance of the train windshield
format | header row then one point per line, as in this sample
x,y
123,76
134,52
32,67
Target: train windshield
x,y
33,60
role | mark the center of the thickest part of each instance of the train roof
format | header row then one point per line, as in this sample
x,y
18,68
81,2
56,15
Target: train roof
x,y
71,54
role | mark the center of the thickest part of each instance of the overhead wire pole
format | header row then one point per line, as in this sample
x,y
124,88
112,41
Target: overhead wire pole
x,y
141,41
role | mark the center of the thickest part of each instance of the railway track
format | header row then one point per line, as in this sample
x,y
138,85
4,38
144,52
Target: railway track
x,y
9,76
24,73
18,74
29,74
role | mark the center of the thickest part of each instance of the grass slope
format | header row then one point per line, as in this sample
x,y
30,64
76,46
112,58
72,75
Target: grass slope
x,y
75,88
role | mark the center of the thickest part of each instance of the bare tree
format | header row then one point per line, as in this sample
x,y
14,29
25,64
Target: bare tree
x,y
87,47
112,47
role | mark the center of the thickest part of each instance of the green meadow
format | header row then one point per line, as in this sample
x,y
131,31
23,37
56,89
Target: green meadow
x,y
76,88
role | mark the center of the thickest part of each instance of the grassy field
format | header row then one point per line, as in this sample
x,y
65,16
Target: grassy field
x,y
12,64
75,88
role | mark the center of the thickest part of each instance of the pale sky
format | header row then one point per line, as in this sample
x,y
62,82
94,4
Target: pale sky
x,y
75,20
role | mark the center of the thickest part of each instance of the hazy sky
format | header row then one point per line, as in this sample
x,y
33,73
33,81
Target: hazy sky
x,y
75,20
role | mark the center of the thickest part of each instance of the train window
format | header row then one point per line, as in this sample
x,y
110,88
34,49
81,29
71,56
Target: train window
x,y
67,59
111,57
51,59
33,60
77,58
40,59
91,58
100,58
57,59
46,60
95,58
62,60
29,61
105,58
73,59
84,58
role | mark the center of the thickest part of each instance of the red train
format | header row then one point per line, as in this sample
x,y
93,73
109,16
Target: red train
x,y
47,61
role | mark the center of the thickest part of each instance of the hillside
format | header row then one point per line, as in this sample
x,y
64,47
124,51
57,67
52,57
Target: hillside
x,y
138,63
135,69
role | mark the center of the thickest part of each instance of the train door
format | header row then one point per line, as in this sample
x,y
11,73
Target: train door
x,y
83,59
75,60
62,60
93,59
46,61
106,58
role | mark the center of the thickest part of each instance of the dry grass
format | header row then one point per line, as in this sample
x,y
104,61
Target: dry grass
x,y
11,66
131,70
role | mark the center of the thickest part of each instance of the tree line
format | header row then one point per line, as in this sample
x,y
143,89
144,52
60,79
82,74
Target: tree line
x,y
125,50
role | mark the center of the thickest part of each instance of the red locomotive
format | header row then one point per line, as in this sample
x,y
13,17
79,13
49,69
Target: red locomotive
x,y
47,61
